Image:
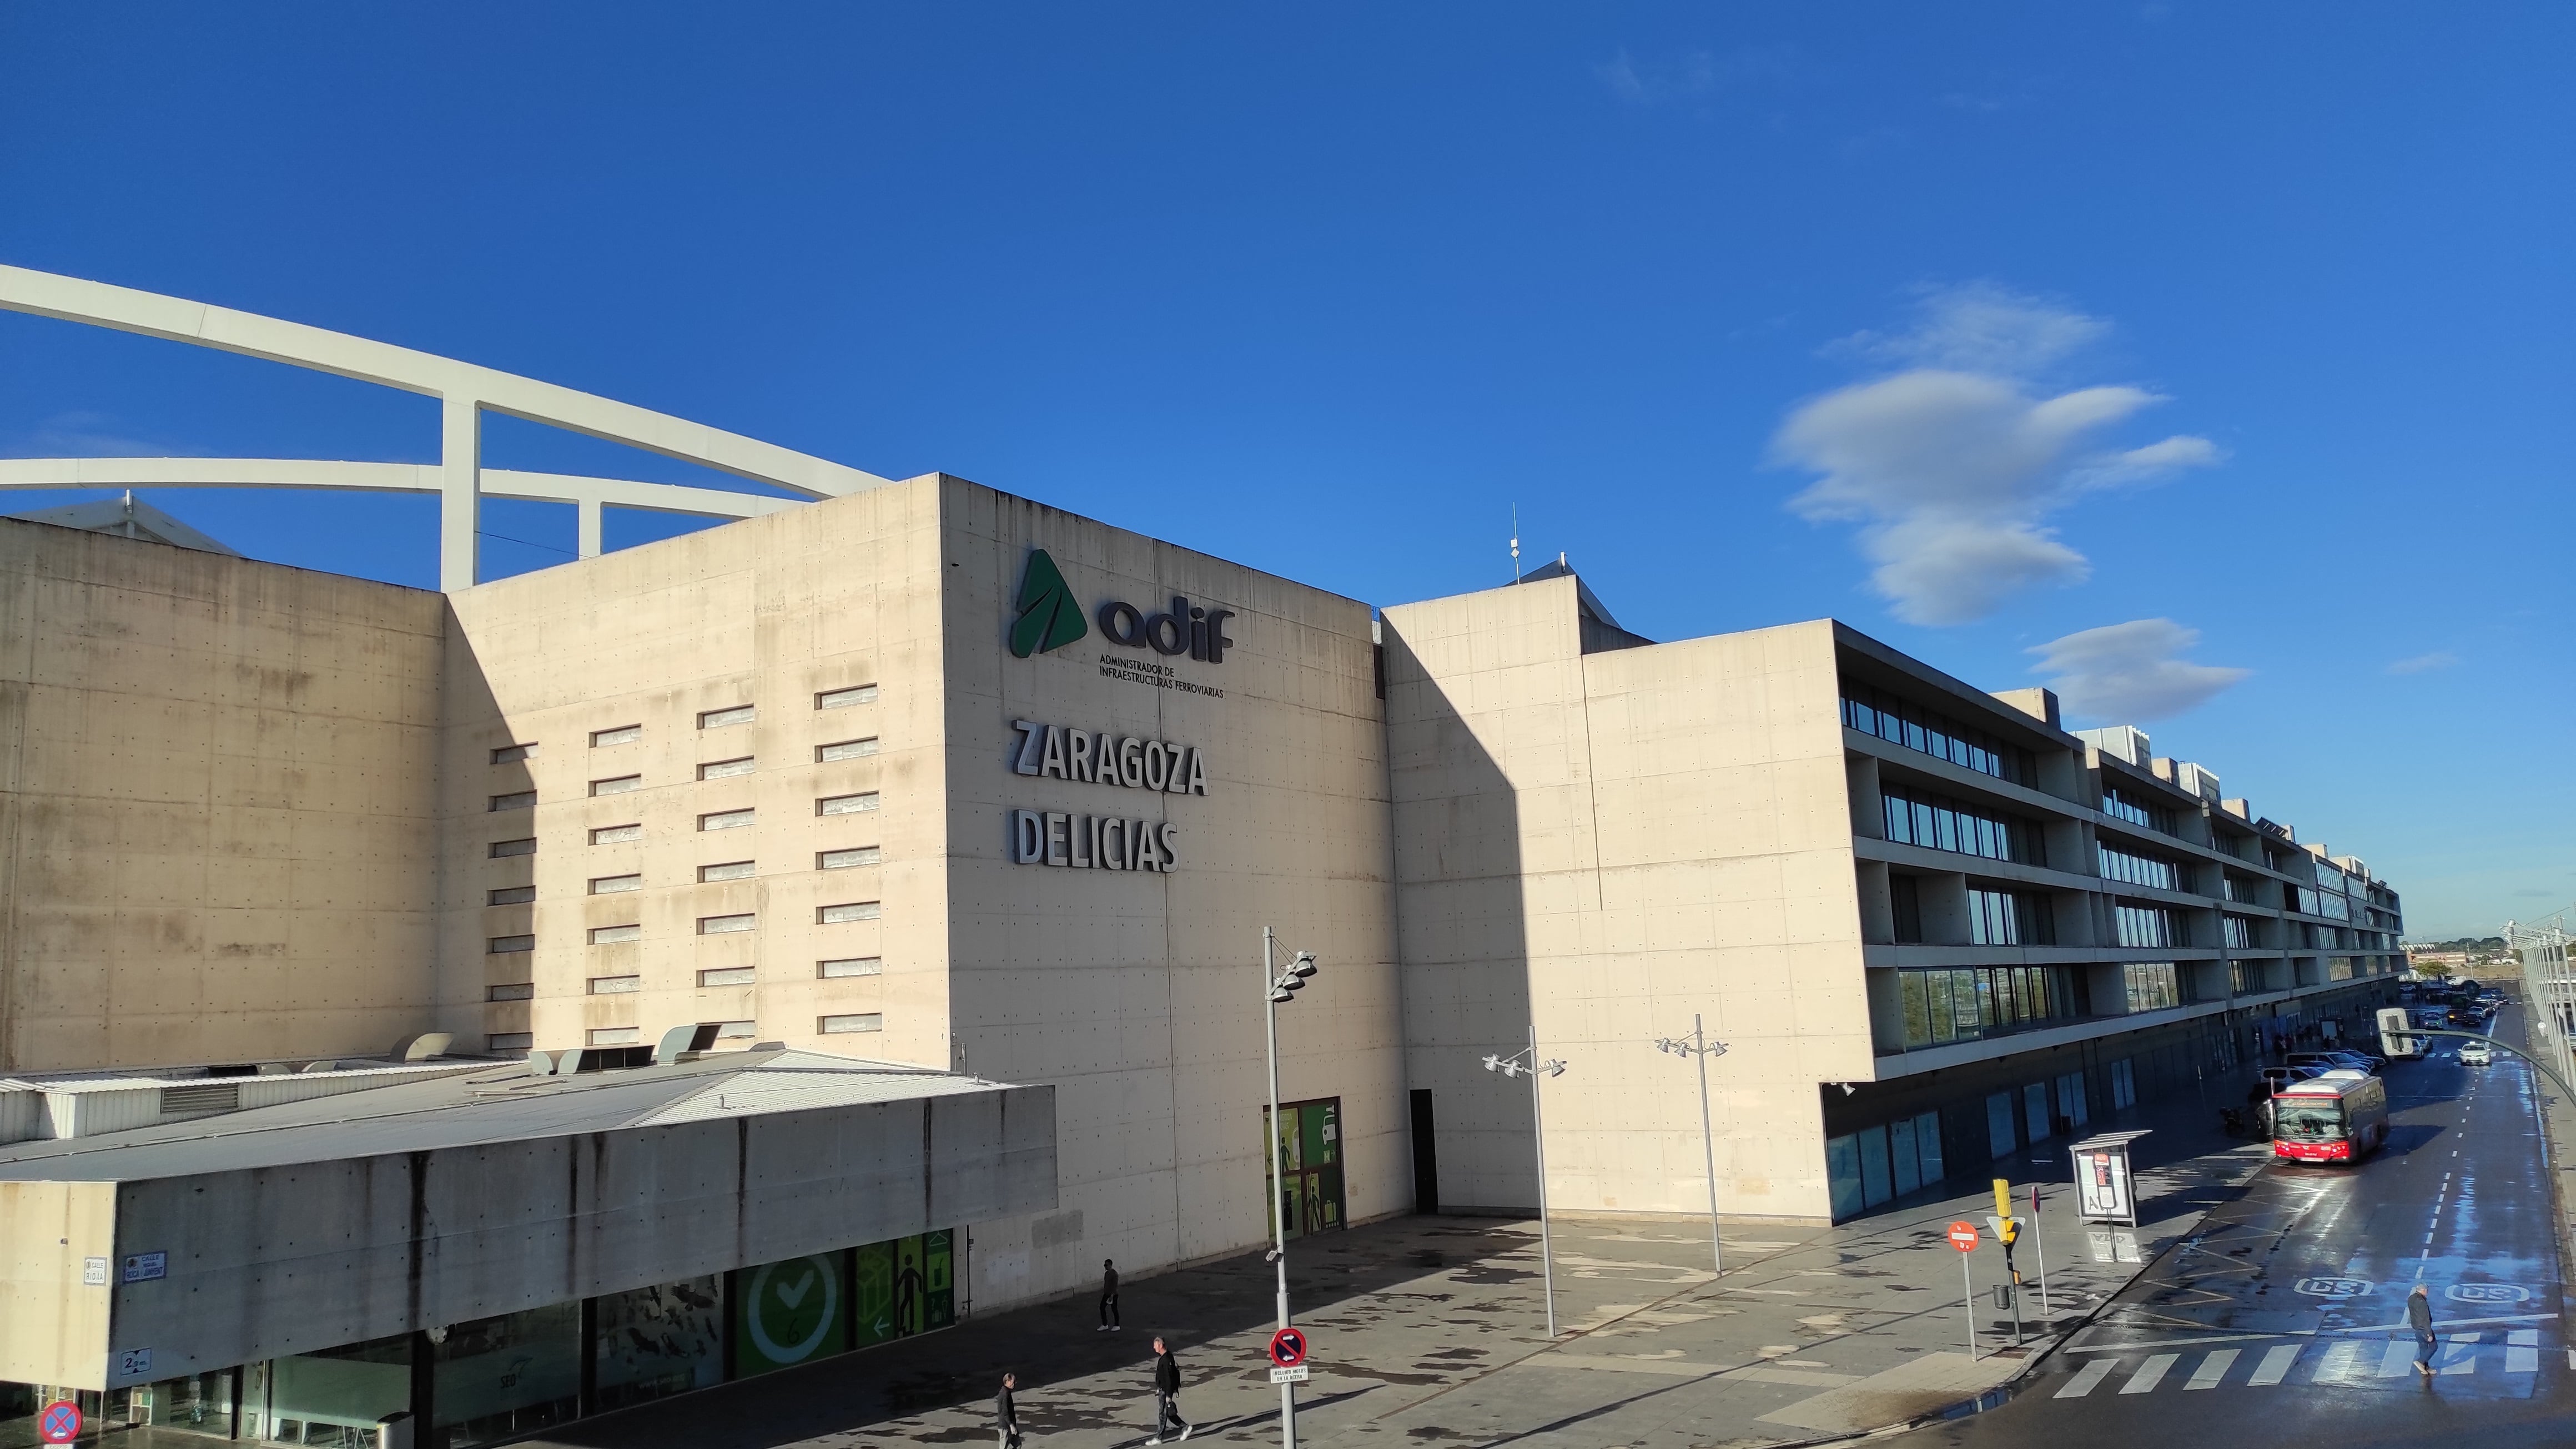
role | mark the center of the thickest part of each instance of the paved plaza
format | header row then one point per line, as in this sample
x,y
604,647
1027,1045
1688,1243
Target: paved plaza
x,y
1430,1330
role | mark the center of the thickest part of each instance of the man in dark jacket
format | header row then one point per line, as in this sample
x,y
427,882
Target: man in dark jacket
x,y
1108,1297
1167,1396
2419,1317
1007,1414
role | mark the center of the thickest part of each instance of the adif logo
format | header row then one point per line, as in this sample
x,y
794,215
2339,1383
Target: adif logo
x,y
1049,618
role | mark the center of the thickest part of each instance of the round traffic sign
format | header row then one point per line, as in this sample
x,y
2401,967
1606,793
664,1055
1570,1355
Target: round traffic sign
x,y
1963,1236
1288,1347
60,1423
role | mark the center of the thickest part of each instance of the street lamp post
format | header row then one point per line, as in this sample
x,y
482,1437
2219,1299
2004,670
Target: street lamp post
x,y
1534,1068
1700,1049
1278,987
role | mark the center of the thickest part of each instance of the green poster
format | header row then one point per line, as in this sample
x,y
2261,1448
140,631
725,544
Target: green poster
x,y
909,1285
875,1295
790,1313
939,1271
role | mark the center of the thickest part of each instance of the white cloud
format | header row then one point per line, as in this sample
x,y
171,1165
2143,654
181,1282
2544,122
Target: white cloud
x,y
2438,659
2131,673
83,435
1953,463
1695,73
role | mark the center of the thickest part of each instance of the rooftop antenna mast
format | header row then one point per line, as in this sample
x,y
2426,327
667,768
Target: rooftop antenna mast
x,y
1516,543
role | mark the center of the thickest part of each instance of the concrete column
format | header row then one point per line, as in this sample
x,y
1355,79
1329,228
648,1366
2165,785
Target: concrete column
x,y
460,493
588,543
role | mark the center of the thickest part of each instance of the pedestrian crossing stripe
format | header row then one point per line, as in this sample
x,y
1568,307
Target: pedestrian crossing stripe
x,y
2344,1361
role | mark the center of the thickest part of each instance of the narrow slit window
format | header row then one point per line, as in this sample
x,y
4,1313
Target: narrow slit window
x,y
504,849
716,719
853,1021
509,1041
515,800
725,820
850,966
611,885
845,859
725,769
615,935
513,754
505,945
843,915
844,698
510,895
846,804
730,870
620,735
613,834
511,991
727,925
613,1036
617,785
726,976
845,750
615,985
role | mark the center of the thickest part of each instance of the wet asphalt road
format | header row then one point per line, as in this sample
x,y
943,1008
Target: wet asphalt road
x,y
2282,1321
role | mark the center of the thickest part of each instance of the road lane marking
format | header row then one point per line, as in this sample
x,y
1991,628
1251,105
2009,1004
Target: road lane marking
x,y
2212,1369
2085,1378
2399,1358
2522,1351
2463,1355
2149,1374
2275,1365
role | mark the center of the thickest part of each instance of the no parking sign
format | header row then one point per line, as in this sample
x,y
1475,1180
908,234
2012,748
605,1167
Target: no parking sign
x,y
60,1423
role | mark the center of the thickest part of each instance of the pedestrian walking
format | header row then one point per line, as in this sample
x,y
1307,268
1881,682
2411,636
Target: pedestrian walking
x,y
1108,1298
1006,1415
2419,1316
1167,1398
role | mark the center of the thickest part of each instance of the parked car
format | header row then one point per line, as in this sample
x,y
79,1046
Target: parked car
x,y
2331,1061
2476,1054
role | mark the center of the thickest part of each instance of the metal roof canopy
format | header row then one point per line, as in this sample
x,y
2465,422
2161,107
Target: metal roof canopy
x,y
314,1224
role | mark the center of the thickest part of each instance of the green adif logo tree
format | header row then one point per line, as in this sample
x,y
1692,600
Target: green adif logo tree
x,y
1049,618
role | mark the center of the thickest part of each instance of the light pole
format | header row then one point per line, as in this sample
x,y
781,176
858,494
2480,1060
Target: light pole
x,y
1534,1068
1279,986
1700,1048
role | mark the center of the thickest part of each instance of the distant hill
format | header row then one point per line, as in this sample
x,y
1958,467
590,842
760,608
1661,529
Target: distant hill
x,y
2464,943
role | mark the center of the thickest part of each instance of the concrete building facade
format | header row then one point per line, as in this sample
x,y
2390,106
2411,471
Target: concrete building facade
x,y
933,778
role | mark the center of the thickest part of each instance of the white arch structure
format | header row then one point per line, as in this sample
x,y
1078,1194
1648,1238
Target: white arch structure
x,y
465,392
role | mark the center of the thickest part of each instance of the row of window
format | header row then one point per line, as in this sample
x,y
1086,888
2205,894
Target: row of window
x,y
2144,927
1940,823
836,1024
2010,918
836,969
2153,985
844,914
1902,722
610,885
859,804
2122,803
714,770
2139,870
1964,1003
2237,932
713,719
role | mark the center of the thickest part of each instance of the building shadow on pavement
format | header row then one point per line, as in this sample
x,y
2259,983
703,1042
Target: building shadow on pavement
x,y
1056,1342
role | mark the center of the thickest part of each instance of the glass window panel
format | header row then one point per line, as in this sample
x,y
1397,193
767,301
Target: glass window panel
x,y
658,1341
1936,991
499,1378
1842,1175
1901,1156
1927,1144
1918,1017
309,1395
1875,1185
2001,1141
791,1313
2034,1102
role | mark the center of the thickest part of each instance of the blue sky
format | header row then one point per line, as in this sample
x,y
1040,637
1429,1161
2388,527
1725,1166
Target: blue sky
x,y
2211,360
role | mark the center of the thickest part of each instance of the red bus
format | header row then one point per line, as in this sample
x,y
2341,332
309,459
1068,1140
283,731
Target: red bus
x,y
2339,1117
